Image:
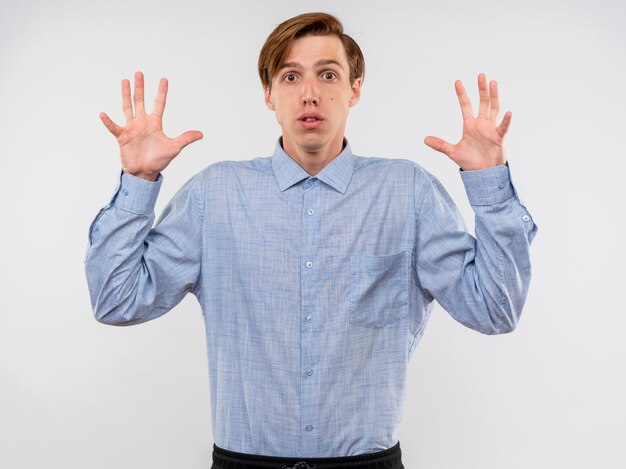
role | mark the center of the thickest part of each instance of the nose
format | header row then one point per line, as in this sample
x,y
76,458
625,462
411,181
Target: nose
x,y
310,100
309,93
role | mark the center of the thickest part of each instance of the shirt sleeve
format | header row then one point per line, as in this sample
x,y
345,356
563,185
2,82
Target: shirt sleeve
x,y
481,281
135,272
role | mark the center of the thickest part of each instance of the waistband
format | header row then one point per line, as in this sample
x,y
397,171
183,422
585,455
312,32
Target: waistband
x,y
385,459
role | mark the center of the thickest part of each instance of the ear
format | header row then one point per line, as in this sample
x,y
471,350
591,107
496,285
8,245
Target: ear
x,y
268,99
356,92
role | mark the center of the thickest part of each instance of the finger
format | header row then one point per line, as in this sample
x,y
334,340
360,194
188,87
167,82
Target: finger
x,y
138,96
188,137
159,102
494,101
483,109
109,124
127,107
466,105
506,122
439,144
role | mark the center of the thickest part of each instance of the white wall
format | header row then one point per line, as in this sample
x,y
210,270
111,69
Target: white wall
x,y
75,393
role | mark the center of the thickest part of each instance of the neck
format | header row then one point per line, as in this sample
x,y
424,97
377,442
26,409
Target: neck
x,y
313,160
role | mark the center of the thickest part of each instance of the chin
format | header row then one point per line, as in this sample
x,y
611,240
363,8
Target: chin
x,y
312,148
312,145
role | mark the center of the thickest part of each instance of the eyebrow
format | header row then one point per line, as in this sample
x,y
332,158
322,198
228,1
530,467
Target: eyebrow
x,y
319,63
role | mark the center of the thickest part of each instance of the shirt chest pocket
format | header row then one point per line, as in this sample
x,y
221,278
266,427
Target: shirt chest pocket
x,y
379,289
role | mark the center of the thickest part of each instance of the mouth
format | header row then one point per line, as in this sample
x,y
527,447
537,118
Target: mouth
x,y
310,120
310,117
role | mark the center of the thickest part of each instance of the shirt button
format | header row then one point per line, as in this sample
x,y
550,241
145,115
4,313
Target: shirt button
x,y
309,428
526,218
501,185
309,265
309,372
309,319
125,191
310,211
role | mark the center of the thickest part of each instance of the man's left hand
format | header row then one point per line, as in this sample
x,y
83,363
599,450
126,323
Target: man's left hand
x,y
481,145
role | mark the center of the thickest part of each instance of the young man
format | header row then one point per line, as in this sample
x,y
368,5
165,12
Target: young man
x,y
316,269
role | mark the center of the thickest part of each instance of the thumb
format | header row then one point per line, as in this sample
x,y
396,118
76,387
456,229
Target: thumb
x,y
188,137
439,144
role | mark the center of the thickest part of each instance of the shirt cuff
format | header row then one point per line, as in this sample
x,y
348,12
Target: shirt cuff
x,y
137,195
488,186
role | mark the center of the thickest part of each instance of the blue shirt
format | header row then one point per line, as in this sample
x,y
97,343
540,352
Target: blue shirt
x,y
314,290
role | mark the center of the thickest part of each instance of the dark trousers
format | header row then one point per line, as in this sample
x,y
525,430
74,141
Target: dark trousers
x,y
387,459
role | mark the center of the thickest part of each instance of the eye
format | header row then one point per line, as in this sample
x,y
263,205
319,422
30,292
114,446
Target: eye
x,y
290,77
329,76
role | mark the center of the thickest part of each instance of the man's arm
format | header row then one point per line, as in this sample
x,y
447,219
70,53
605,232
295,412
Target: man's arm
x,y
482,282
136,273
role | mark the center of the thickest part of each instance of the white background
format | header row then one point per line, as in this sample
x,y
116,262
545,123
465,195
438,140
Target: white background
x,y
78,394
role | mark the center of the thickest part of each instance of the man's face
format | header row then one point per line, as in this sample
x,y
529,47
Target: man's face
x,y
311,94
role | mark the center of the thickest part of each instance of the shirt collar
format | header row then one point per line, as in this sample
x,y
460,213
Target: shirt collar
x,y
336,174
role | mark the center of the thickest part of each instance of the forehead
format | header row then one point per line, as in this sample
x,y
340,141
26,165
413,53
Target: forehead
x,y
309,50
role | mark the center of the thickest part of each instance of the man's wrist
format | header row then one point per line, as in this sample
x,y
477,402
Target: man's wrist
x,y
137,195
148,176
488,186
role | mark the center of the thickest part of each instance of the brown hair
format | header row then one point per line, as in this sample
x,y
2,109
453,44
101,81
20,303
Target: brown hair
x,y
279,42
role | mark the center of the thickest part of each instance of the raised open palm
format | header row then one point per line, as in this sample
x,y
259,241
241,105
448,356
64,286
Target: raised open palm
x,y
481,145
145,150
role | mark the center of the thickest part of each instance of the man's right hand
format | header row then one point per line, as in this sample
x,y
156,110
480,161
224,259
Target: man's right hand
x,y
145,150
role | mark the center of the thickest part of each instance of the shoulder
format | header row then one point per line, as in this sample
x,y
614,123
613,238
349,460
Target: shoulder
x,y
368,166
223,173
228,169
400,176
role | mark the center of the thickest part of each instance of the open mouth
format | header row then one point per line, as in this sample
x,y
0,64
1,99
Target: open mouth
x,y
310,118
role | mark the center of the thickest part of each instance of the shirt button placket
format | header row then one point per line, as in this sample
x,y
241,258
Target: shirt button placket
x,y
310,282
